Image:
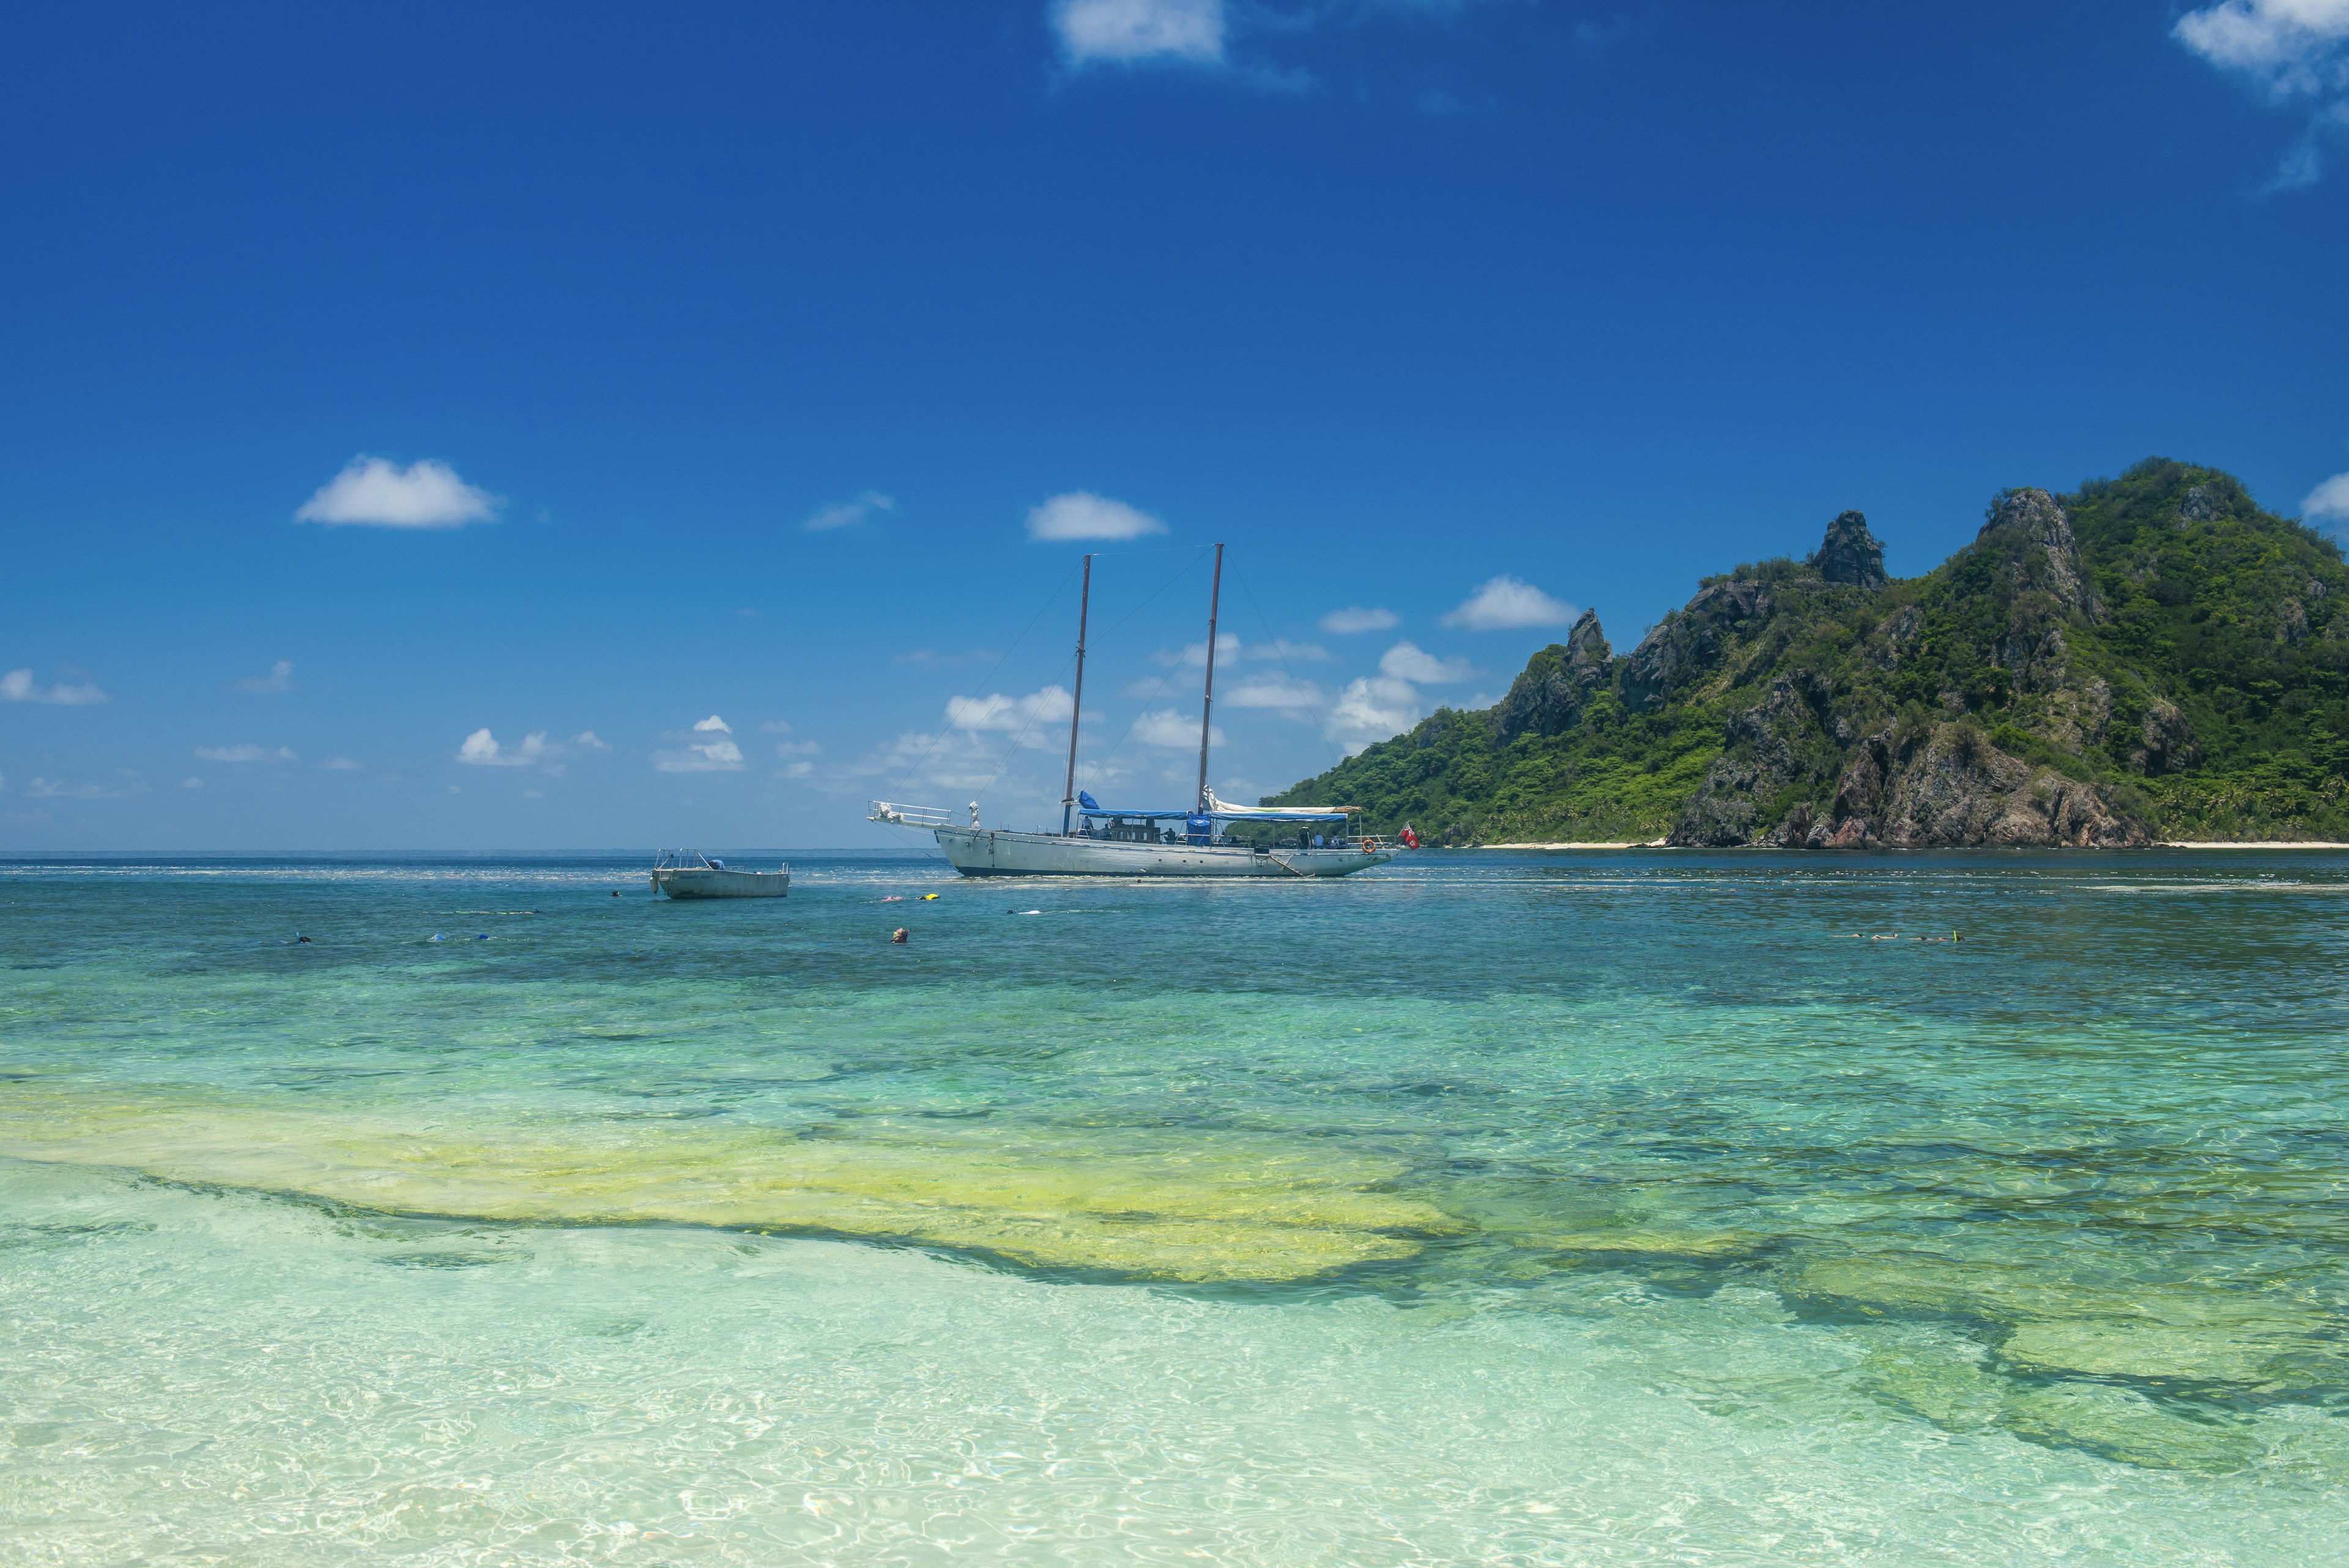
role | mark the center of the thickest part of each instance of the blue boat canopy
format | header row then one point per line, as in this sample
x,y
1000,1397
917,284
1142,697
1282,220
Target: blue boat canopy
x,y
1221,812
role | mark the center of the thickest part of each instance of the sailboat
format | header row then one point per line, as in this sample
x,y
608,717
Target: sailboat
x,y
1095,840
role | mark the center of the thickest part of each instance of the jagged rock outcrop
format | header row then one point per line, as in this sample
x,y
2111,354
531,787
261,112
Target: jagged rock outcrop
x,y
2165,744
1890,642
2035,653
1939,787
2044,584
1692,637
1850,554
2155,649
2033,529
2078,716
1547,698
1949,787
1770,745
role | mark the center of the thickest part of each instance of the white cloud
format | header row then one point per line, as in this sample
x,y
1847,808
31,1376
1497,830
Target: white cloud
x,y
1231,651
1283,694
955,760
1379,707
373,493
481,749
774,727
1508,602
1125,31
2294,53
191,784
1373,708
338,764
1406,662
2288,47
1172,727
279,679
795,769
18,686
849,513
1052,705
1081,515
1194,654
798,749
1354,618
2330,500
717,756
247,753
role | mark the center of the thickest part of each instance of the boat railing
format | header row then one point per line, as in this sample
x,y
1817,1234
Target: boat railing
x,y
910,816
695,860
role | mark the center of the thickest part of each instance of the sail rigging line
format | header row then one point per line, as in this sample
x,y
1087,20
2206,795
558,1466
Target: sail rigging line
x,y
1076,712
1077,703
1208,703
1280,660
935,740
1012,750
1198,554
1158,687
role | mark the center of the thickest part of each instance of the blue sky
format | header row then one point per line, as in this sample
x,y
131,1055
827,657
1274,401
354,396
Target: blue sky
x,y
382,387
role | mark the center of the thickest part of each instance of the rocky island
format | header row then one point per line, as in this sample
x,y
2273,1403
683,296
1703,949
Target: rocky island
x,y
2150,657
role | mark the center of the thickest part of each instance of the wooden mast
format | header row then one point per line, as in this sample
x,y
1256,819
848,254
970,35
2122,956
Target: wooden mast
x,y
1077,706
1207,708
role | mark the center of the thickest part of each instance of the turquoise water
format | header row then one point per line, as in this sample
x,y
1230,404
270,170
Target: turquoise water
x,y
1573,1209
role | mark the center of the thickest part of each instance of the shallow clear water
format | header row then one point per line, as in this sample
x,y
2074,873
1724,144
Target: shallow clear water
x,y
1529,1208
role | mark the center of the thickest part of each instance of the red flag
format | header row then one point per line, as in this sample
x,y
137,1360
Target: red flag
x,y
1409,840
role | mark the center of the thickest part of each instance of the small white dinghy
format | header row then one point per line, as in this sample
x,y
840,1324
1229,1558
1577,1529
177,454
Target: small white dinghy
x,y
691,874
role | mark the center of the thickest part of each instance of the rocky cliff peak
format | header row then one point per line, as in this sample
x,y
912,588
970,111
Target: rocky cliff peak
x,y
1587,653
1850,554
2047,557
1549,697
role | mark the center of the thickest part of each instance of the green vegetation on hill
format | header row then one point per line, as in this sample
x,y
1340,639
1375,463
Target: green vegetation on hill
x,y
2154,656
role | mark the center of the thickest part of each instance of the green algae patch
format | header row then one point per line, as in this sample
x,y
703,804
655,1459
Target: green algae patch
x,y
2249,1348
2145,1331
1953,1384
1203,1207
1943,1384
2122,1425
1645,1241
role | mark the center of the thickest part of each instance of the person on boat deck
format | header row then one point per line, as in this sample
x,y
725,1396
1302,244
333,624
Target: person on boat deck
x,y
1317,841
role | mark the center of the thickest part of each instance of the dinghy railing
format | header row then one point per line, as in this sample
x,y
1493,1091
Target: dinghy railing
x,y
910,816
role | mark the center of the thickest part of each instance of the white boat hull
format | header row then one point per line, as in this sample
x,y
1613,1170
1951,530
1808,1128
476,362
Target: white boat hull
x,y
996,852
710,882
